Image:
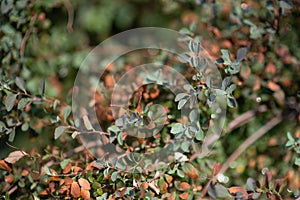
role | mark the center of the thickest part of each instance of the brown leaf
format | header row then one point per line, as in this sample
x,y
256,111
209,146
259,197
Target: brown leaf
x,y
235,189
184,195
190,170
85,194
84,184
75,190
184,186
15,156
4,166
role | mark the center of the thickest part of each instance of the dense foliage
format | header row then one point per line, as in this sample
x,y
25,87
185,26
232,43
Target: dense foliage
x,y
255,46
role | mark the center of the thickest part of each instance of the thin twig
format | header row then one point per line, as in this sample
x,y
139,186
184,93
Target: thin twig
x,y
70,10
26,36
250,140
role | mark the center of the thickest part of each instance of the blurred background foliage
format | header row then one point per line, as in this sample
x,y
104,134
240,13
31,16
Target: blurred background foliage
x,y
47,40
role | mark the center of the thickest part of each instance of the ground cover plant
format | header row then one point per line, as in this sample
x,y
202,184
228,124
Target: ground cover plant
x,y
242,56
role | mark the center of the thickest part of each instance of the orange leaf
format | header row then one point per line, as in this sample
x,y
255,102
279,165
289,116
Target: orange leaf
x,y
271,68
184,195
75,190
190,170
84,184
85,194
9,178
184,186
273,86
15,156
235,189
25,172
4,166
67,169
68,181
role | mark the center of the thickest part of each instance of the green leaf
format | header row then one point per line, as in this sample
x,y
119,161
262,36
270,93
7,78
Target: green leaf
x,y
59,131
231,102
199,135
120,139
181,103
297,161
180,173
177,128
48,171
180,96
20,83
226,56
114,176
23,103
10,101
241,54
67,112
114,129
218,191
251,184
193,116
185,146
64,163
2,127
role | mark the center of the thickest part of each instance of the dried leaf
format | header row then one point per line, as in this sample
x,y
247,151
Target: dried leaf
x,y
75,190
15,156
84,184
